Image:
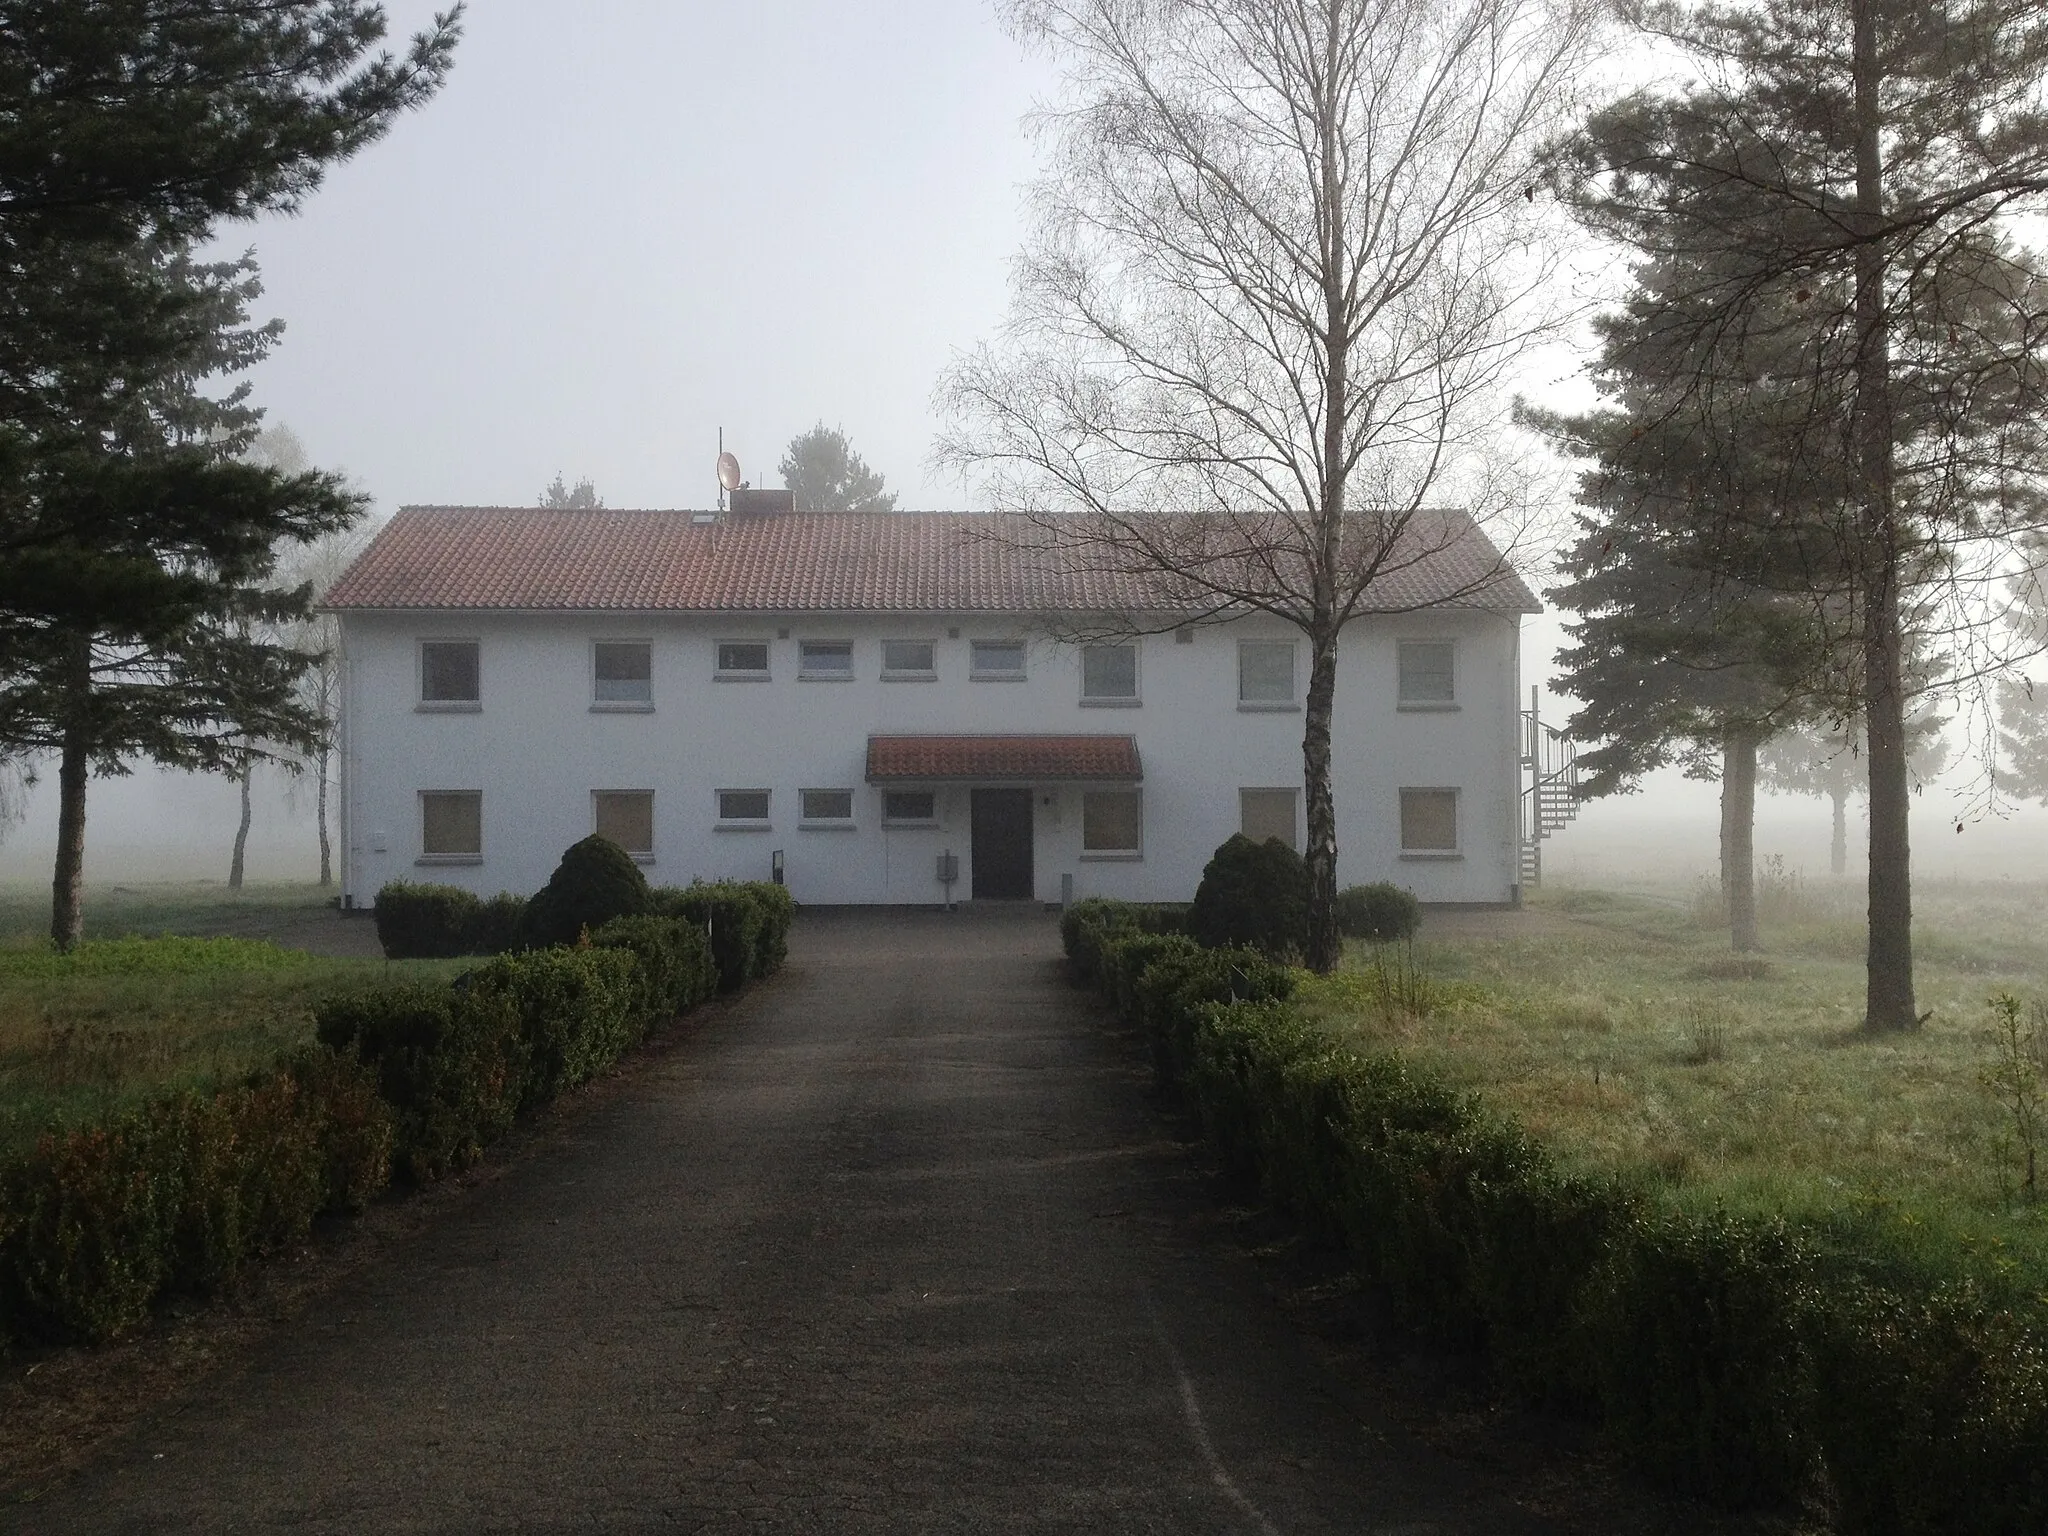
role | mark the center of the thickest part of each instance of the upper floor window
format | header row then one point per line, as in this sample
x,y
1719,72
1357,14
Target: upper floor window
x,y
905,661
624,672
626,816
450,673
1428,680
743,659
1109,674
1265,674
1429,821
997,660
828,661
451,826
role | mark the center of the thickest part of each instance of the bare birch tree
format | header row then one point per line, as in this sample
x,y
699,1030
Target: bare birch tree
x,y
1284,253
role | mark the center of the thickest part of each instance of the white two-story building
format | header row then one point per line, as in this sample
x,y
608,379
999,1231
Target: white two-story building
x,y
883,709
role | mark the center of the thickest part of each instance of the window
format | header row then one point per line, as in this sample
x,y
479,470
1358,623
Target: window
x,y
624,672
824,807
746,659
626,816
452,826
1109,674
1265,674
908,660
825,660
910,808
1429,821
1427,680
743,808
1264,813
997,660
1112,822
449,672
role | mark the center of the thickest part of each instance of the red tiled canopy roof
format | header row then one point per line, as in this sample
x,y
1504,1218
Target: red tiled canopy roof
x,y
529,559
925,758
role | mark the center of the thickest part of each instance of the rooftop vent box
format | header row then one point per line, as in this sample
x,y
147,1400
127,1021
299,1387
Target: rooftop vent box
x,y
752,503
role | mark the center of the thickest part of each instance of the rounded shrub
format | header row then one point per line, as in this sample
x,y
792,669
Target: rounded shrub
x,y
1252,894
1383,913
596,881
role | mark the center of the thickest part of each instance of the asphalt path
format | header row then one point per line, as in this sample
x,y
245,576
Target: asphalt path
x,y
893,1244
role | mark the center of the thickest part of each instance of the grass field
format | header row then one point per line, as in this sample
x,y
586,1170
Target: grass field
x,y
119,1019
1619,1027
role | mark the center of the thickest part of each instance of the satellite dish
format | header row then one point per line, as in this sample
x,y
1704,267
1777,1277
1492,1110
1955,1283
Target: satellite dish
x,y
729,471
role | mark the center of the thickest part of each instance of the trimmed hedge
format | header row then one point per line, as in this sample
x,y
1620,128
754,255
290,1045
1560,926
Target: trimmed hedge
x,y
442,922
1740,1357
181,1194
595,882
1252,895
1381,913
747,922
99,1222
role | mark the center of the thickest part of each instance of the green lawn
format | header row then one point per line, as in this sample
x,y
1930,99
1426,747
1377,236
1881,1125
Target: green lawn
x,y
1620,1028
122,1018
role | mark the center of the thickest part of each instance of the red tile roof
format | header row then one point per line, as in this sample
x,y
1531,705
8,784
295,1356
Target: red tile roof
x,y
525,559
1002,757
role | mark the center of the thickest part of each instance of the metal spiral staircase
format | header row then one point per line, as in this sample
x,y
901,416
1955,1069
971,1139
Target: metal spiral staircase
x,y
1550,793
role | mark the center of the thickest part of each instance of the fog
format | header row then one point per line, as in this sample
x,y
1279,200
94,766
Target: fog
x,y
615,235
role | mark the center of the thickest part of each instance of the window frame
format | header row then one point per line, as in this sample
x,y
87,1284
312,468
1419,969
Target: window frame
x,y
763,823
928,674
426,706
891,820
1131,854
1290,704
805,673
1457,848
621,706
638,855
1293,793
445,858
1424,706
806,822
722,674
976,673
1132,700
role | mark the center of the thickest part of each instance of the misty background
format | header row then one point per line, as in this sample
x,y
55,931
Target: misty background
x,y
628,224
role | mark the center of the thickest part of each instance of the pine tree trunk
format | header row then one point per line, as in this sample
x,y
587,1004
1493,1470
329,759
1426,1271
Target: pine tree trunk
x,y
1324,946
1738,836
320,805
67,888
1838,846
1889,1002
235,865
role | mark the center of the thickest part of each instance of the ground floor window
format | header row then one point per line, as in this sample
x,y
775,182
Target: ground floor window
x,y
825,807
1264,813
626,816
910,808
743,808
1429,821
1112,821
451,824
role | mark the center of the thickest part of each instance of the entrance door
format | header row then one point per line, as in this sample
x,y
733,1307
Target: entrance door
x,y
1002,845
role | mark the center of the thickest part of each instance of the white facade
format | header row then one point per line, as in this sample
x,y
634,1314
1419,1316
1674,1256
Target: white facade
x,y
537,745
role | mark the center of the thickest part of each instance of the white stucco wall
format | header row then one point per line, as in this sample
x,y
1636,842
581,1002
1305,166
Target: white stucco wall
x,y
536,751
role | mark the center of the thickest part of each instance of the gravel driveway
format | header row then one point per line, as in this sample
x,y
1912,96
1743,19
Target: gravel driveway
x,y
892,1245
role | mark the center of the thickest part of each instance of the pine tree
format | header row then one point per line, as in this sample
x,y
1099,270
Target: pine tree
x,y
824,474
1825,759
560,495
142,492
1839,169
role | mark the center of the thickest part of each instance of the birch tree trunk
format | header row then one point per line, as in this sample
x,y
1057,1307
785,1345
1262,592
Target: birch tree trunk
x,y
235,865
320,810
1738,836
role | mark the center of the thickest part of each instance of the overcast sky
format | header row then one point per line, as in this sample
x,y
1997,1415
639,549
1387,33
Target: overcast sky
x,y
627,223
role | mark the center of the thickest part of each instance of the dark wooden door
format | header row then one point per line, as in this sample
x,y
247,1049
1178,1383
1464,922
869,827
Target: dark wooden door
x,y
1002,845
